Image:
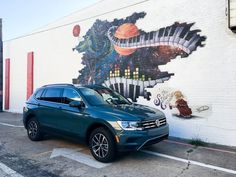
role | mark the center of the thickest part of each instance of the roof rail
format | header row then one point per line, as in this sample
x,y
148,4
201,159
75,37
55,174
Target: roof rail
x,y
61,84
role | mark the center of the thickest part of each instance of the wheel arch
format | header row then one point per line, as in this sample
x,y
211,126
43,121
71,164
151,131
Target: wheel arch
x,y
97,125
27,118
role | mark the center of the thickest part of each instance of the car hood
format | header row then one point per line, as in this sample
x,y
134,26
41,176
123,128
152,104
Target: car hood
x,y
131,112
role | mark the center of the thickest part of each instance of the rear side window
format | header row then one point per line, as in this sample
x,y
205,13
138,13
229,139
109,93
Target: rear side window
x,y
52,94
38,94
70,95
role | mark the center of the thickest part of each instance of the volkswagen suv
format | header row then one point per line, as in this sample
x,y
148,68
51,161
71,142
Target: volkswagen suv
x,y
99,116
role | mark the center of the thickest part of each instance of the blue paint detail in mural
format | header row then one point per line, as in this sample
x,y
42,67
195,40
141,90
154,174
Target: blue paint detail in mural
x,y
118,55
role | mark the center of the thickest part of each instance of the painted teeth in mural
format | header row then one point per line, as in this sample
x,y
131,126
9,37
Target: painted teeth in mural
x,y
119,55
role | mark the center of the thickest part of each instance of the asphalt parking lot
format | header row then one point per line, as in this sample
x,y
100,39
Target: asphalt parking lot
x,y
55,156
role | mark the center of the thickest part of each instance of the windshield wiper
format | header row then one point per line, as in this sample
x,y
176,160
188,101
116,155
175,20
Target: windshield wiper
x,y
125,103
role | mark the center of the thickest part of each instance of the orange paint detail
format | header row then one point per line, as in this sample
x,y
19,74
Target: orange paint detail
x,y
126,31
76,31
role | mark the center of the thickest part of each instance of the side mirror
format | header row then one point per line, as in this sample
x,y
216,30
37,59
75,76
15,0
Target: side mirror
x,y
76,104
130,100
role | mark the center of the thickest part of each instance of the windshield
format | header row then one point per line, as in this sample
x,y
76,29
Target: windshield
x,y
92,97
112,97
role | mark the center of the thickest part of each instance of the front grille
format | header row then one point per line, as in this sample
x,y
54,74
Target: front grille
x,y
153,123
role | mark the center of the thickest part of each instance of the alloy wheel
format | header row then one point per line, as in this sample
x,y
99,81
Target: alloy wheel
x,y
32,128
100,145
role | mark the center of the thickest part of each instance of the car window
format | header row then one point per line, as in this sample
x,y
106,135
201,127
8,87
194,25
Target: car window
x,y
112,97
70,95
52,94
38,94
92,97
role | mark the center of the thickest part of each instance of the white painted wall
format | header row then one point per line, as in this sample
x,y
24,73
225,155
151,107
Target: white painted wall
x,y
207,76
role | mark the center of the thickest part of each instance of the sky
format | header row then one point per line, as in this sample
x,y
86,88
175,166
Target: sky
x,y
23,16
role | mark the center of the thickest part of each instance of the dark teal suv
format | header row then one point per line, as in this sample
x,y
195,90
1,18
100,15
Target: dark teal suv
x,y
104,119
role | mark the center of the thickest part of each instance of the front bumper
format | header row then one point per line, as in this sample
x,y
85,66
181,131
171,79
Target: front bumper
x,y
135,140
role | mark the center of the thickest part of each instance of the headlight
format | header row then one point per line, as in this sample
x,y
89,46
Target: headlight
x,y
129,125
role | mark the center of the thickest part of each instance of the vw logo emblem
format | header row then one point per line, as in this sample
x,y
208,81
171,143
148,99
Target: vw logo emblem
x,y
157,123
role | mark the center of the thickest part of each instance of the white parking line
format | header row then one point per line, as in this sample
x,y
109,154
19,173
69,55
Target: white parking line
x,y
10,125
190,162
75,155
9,171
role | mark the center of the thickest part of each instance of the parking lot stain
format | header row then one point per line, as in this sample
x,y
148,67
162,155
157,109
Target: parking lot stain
x,y
25,167
189,151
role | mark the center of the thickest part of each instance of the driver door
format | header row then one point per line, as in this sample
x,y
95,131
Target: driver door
x,y
72,118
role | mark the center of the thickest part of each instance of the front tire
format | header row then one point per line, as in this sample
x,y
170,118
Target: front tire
x,y
33,130
102,145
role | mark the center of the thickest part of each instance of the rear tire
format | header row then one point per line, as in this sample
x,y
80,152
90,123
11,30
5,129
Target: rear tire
x,y
33,130
102,145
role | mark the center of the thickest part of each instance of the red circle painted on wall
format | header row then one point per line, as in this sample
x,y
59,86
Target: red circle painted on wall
x,y
76,31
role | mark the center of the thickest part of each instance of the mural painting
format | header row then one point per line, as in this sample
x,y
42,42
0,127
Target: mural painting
x,y
119,55
177,103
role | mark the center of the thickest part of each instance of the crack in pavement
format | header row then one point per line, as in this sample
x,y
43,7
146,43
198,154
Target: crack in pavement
x,y
188,164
